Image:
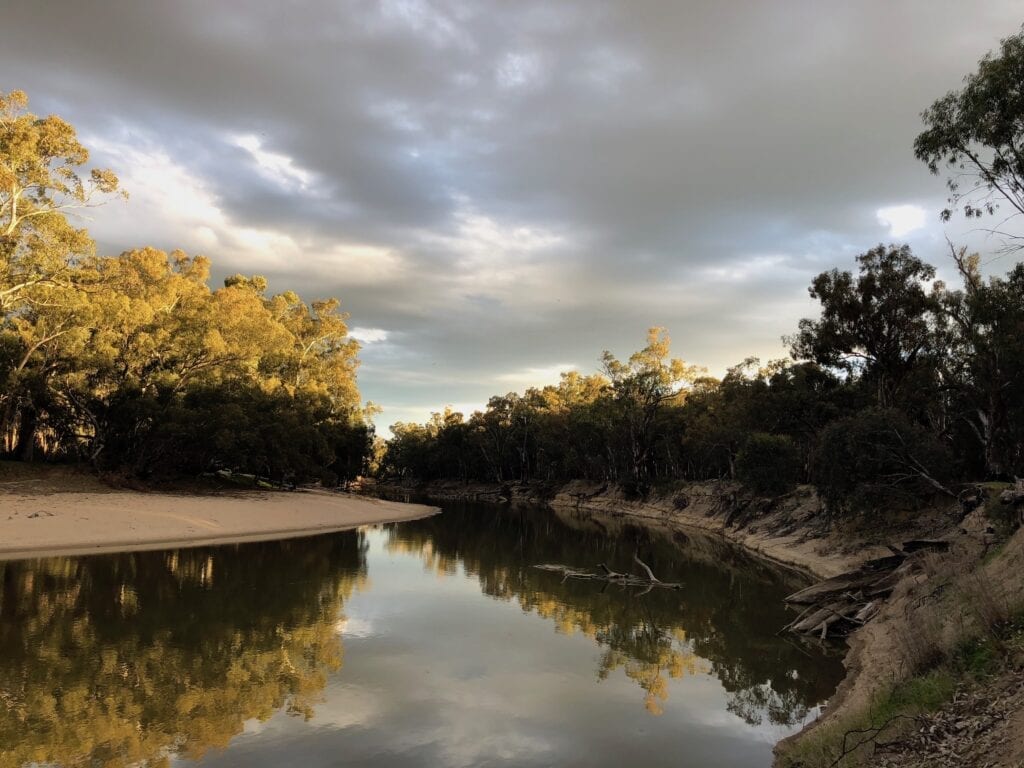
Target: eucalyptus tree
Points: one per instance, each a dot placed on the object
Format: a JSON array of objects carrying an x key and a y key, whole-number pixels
[
  {"x": 41, "y": 183},
  {"x": 981, "y": 362},
  {"x": 123, "y": 360},
  {"x": 322, "y": 357},
  {"x": 977, "y": 134},
  {"x": 875, "y": 325},
  {"x": 641, "y": 387}
]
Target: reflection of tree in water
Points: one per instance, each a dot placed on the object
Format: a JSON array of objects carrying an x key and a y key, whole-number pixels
[
  {"x": 723, "y": 621},
  {"x": 649, "y": 655},
  {"x": 135, "y": 658}
]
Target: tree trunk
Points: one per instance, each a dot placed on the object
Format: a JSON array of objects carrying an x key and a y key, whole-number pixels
[{"x": 26, "y": 446}]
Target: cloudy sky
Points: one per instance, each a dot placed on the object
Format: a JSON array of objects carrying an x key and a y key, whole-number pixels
[{"x": 498, "y": 191}]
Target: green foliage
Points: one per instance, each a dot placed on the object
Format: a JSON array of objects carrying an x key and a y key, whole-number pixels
[
  {"x": 235, "y": 426},
  {"x": 640, "y": 389},
  {"x": 768, "y": 464},
  {"x": 976, "y": 657},
  {"x": 850, "y": 741},
  {"x": 979, "y": 357},
  {"x": 977, "y": 133},
  {"x": 897, "y": 389},
  {"x": 875, "y": 325},
  {"x": 903, "y": 393},
  {"x": 924, "y": 693},
  {"x": 41, "y": 161},
  {"x": 878, "y": 459}
]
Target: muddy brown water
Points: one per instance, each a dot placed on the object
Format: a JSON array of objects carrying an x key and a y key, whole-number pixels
[{"x": 426, "y": 643}]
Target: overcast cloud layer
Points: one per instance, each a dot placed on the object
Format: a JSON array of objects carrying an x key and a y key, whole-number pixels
[{"x": 499, "y": 191}]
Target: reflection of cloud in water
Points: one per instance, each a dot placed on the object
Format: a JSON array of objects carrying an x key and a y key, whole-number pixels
[
  {"x": 658, "y": 640},
  {"x": 354, "y": 627},
  {"x": 495, "y": 663}
]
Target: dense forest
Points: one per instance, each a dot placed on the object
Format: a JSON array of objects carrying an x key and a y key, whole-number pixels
[
  {"x": 902, "y": 388},
  {"x": 133, "y": 363}
]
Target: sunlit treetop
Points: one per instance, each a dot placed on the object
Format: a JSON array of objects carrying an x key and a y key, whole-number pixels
[
  {"x": 42, "y": 181},
  {"x": 40, "y": 166}
]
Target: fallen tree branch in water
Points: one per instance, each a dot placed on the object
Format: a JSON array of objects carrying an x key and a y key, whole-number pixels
[
  {"x": 647, "y": 568},
  {"x": 609, "y": 576}
]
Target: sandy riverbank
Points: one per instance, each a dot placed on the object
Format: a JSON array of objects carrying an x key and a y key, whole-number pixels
[{"x": 36, "y": 522}]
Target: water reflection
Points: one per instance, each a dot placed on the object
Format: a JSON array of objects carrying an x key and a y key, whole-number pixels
[
  {"x": 723, "y": 622},
  {"x": 134, "y": 658},
  {"x": 159, "y": 658}
]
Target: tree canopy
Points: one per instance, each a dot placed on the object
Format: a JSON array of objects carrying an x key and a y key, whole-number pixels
[
  {"x": 897, "y": 390},
  {"x": 134, "y": 362},
  {"x": 875, "y": 325},
  {"x": 977, "y": 134}
]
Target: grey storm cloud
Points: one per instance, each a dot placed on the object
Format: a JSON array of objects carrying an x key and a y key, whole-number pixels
[{"x": 495, "y": 190}]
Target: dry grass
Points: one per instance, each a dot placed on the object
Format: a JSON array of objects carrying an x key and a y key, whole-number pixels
[
  {"x": 986, "y": 602},
  {"x": 851, "y": 740},
  {"x": 919, "y": 641}
]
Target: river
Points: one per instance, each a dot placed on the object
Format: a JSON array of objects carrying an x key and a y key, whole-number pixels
[{"x": 426, "y": 643}]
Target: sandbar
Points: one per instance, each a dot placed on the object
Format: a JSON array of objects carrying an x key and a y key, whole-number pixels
[{"x": 42, "y": 524}]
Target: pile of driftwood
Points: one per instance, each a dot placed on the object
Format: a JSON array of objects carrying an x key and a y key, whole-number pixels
[
  {"x": 837, "y": 606},
  {"x": 606, "y": 574}
]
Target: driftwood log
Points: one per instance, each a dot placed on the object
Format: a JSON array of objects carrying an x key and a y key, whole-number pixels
[
  {"x": 606, "y": 574},
  {"x": 836, "y": 607}
]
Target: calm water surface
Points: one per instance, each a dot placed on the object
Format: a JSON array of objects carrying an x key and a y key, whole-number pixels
[{"x": 425, "y": 643}]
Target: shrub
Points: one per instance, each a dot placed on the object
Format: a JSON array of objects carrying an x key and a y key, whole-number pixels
[
  {"x": 878, "y": 457},
  {"x": 768, "y": 464}
]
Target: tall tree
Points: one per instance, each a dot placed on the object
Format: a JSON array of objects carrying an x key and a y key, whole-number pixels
[
  {"x": 641, "y": 387},
  {"x": 875, "y": 325},
  {"x": 982, "y": 362}
]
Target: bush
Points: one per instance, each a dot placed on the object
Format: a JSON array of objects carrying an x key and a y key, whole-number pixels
[
  {"x": 878, "y": 458},
  {"x": 768, "y": 464}
]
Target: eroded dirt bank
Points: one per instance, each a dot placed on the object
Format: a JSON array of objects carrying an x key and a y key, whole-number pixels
[
  {"x": 937, "y": 677},
  {"x": 790, "y": 529}
]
